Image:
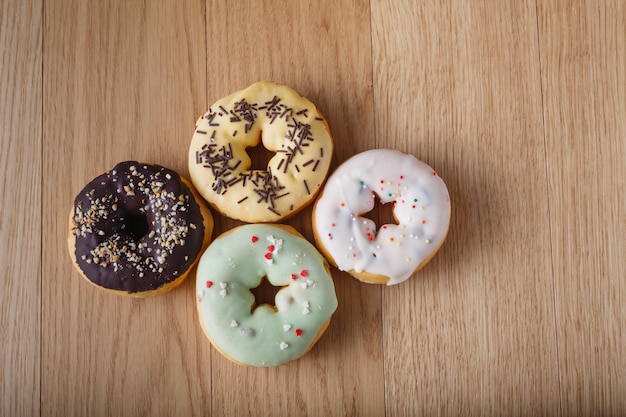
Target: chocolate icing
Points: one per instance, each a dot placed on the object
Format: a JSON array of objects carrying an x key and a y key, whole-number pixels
[{"x": 137, "y": 227}]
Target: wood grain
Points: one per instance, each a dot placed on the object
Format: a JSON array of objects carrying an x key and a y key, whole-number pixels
[
  {"x": 520, "y": 106},
  {"x": 20, "y": 207},
  {"x": 584, "y": 76},
  {"x": 122, "y": 80},
  {"x": 459, "y": 87},
  {"x": 304, "y": 45}
]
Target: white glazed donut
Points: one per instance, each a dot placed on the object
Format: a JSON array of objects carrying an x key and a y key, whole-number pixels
[
  {"x": 391, "y": 254},
  {"x": 287, "y": 124}
]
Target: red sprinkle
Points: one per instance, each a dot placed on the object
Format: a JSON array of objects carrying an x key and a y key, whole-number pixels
[
  {"x": 254, "y": 239},
  {"x": 298, "y": 332},
  {"x": 304, "y": 273},
  {"x": 268, "y": 256},
  {"x": 270, "y": 248},
  {"x": 434, "y": 173},
  {"x": 423, "y": 221},
  {"x": 293, "y": 277},
  {"x": 209, "y": 284},
  {"x": 401, "y": 176}
]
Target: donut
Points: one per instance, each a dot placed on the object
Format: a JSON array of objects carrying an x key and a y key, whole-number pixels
[
  {"x": 389, "y": 254},
  {"x": 138, "y": 230},
  {"x": 263, "y": 335},
  {"x": 288, "y": 125}
]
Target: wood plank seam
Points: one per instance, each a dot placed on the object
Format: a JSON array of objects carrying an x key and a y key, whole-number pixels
[{"x": 548, "y": 202}]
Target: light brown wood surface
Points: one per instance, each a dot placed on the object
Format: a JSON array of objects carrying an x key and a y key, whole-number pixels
[{"x": 520, "y": 106}]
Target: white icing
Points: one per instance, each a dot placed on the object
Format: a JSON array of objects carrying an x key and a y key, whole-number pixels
[{"x": 421, "y": 207}]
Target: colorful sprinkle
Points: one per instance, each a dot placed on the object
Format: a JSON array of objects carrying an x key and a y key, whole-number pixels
[
  {"x": 209, "y": 284},
  {"x": 254, "y": 239},
  {"x": 298, "y": 332},
  {"x": 271, "y": 248},
  {"x": 268, "y": 256},
  {"x": 304, "y": 273}
]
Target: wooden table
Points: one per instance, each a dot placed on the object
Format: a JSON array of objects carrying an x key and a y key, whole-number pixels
[{"x": 519, "y": 105}]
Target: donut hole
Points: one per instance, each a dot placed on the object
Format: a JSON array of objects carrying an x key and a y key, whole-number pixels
[
  {"x": 384, "y": 213},
  {"x": 260, "y": 157},
  {"x": 136, "y": 226},
  {"x": 265, "y": 293},
  {"x": 381, "y": 213}
]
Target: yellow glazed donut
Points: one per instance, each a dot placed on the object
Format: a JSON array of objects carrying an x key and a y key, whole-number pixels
[
  {"x": 264, "y": 335},
  {"x": 393, "y": 252},
  {"x": 138, "y": 230},
  {"x": 286, "y": 123}
]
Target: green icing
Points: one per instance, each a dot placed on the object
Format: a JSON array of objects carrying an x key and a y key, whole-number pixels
[{"x": 233, "y": 264}]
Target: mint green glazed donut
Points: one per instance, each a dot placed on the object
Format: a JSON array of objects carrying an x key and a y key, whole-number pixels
[{"x": 264, "y": 335}]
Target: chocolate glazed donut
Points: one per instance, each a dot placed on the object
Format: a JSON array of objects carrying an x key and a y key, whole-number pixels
[{"x": 138, "y": 229}]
